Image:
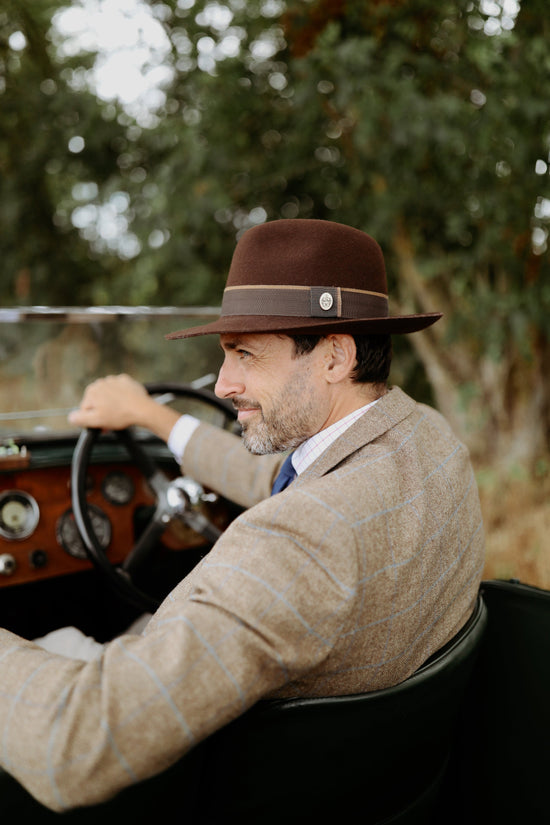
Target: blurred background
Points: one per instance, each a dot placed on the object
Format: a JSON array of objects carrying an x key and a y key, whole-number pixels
[{"x": 138, "y": 139}]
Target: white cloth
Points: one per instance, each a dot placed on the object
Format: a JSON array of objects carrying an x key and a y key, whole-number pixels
[
  {"x": 181, "y": 432},
  {"x": 74, "y": 644},
  {"x": 70, "y": 642}
]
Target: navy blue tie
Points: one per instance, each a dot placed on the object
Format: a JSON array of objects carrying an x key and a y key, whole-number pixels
[{"x": 287, "y": 473}]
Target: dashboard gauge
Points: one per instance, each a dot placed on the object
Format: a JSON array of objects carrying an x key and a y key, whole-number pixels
[
  {"x": 118, "y": 488},
  {"x": 69, "y": 538},
  {"x": 19, "y": 514}
]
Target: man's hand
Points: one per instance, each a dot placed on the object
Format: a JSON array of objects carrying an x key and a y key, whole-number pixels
[{"x": 119, "y": 401}]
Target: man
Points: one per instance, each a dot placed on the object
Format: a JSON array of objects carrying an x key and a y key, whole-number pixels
[{"x": 344, "y": 581}]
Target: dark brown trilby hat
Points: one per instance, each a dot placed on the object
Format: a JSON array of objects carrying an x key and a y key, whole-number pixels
[{"x": 305, "y": 276}]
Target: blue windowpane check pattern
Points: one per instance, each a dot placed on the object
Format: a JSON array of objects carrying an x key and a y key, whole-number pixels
[{"x": 287, "y": 473}]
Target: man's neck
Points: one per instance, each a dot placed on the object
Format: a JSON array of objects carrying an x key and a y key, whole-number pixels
[
  {"x": 355, "y": 397},
  {"x": 310, "y": 450}
]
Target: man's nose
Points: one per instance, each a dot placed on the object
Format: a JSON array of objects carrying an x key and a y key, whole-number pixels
[{"x": 228, "y": 383}]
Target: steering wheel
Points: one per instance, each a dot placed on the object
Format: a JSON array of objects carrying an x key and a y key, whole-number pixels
[{"x": 175, "y": 499}]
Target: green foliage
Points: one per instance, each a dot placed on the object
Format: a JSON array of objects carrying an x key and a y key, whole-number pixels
[
  {"x": 424, "y": 123},
  {"x": 44, "y": 260}
]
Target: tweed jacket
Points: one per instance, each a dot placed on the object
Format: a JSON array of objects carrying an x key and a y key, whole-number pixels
[{"x": 345, "y": 582}]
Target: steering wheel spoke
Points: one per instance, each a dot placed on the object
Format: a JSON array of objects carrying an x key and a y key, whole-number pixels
[{"x": 143, "y": 548}]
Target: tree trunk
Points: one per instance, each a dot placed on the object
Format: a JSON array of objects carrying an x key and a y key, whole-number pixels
[{"x": 500, "y": 409}]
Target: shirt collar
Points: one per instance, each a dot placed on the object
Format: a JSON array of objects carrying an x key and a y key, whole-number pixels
[{"x": 310, "y": 450}]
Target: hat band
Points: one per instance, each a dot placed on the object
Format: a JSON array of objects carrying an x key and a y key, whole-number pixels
[{"x": 304, "y": 302}]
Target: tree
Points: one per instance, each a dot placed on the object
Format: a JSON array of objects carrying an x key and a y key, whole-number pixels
[
  {"x": 421, "y": 123},
  {"x": 54, "y": 144},
  {"x": 424, "y": 123}
]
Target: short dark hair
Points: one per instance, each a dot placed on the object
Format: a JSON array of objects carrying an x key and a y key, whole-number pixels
[{"x": 374, "y": 354}]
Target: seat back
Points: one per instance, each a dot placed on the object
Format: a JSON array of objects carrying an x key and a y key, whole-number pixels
[
  {"x": 371, "y": 758},
  {"x": 502, "y": 772}
]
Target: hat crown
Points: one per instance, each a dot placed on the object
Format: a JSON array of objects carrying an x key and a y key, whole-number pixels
[
  {"x": 308, "y": 252},
  {"x": 307, "y": 276}
]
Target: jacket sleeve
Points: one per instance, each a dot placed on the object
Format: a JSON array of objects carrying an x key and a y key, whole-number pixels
[
  {"x": 263, "y": 608},
  {"x": 219, "y": 460}
]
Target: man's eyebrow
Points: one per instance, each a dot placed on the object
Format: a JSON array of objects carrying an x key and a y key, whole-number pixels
[{"x": 234, "y": 343}]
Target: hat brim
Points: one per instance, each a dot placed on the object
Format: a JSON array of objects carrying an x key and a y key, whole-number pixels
[{"x": 247, "y": 324}]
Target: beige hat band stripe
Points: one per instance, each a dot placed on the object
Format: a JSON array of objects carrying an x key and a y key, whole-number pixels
[{"x": 304, "y": 302}]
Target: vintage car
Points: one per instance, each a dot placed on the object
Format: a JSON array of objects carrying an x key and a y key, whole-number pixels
[{"x": 96, "y": 528}]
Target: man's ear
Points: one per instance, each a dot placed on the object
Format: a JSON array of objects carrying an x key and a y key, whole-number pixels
[{"x": 341, "y": 357}]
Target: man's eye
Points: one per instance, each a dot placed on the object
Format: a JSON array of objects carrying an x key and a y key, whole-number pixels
[{"x": 242, "y": 353}]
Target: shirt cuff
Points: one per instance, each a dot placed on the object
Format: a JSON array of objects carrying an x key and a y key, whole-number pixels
[{"x": 180, "y": 434}]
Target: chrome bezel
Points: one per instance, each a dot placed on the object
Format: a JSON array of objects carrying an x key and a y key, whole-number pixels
[
  {"x": 32, "y": 514},
  {"x": 126, "y": 488},
  {"x": 73, "y": 544}
]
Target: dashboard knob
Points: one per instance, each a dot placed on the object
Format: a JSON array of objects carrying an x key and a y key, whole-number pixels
[{"x": 7, "y": 564}]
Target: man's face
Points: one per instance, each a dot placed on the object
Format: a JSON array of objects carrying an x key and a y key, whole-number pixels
[{"x": 278, "y": 395}]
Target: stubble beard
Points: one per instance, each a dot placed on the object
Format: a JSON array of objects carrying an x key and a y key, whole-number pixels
[{"x": 286, "y": 425}]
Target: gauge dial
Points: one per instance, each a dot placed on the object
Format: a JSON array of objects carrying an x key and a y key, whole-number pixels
[
  {"x": 69, "y": 538},
  {"x": 19, "y": 514},
  {"x": 118, "y": 488}
]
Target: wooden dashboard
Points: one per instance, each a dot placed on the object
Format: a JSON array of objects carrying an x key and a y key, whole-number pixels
[{"x": 38, "y": 536}]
